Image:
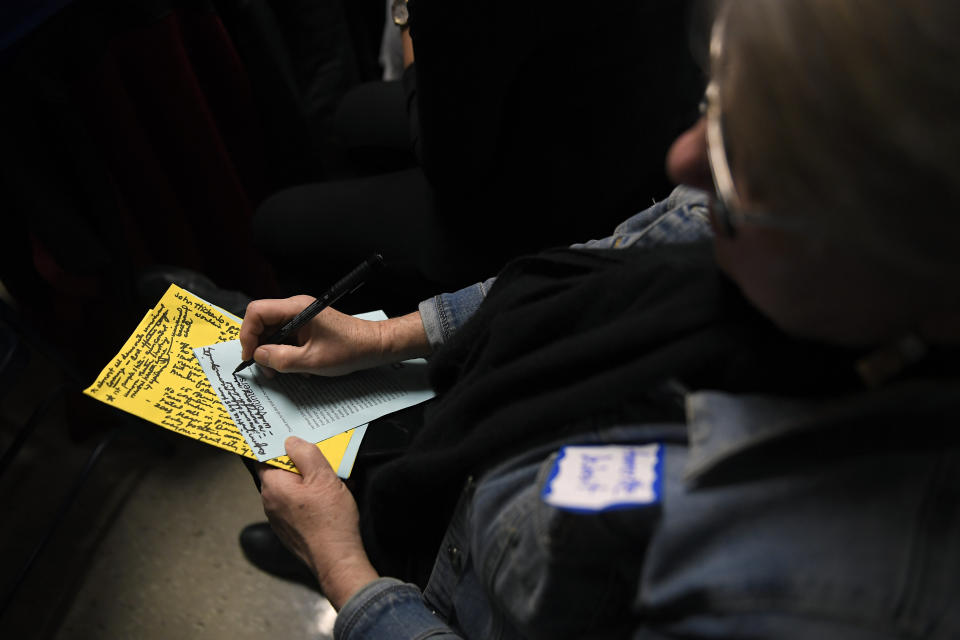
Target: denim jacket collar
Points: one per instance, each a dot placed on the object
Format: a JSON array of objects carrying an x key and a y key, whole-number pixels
[
  {"x": 726, "y": 428},
  {"x": 722, "y": 425}
]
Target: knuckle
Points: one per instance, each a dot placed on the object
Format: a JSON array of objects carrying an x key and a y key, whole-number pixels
[{"x": 272, "y": 499}]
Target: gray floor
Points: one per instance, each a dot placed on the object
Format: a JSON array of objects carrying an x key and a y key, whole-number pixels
[{"x": 148, "y": 547}]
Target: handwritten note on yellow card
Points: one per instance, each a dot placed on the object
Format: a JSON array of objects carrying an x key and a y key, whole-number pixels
[{"x": 157, "y": 377}]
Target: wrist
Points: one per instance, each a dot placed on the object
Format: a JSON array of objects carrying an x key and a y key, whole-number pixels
[
  {"x": 403, "y": 338},
  {"x": 344, "y": 580}
]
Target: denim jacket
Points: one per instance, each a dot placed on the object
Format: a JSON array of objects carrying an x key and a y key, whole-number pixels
[
  {"x": 741, "y": 542},
  {"x": 738, "y": 543}
]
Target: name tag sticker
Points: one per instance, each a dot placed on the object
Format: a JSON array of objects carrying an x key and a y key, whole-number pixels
[{"x": 597, "y": 478}]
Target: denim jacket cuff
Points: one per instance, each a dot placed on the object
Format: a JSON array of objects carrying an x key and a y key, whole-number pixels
[
  {"x": 444, "y": 314},
  {"x": 430, "y": 317},
  {"x": 388, "y": 608}
]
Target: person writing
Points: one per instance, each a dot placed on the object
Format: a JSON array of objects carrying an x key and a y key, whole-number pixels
[{"x": 770, "y": 354}]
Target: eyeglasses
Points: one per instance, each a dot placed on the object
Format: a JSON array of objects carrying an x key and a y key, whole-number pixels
[
  {"x": 727, "y": 201},
  {"x": 727, "y": 207}
]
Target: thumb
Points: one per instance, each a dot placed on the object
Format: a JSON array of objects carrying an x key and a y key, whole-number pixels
[
  {"x": 281, "y": 357},
  {"x": 310, "y": 462}
]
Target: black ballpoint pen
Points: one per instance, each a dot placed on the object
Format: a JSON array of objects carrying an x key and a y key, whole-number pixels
[{"x": 348, "y": 283}]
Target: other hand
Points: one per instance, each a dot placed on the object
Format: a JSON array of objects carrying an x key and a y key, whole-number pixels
[{"x": 316, "y": 517}]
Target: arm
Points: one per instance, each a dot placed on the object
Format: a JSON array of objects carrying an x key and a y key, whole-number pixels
[
  {"x": 407, "y": 43},
  {"x": 682, "y": 217},
  {"x": 332, "y": 343}
]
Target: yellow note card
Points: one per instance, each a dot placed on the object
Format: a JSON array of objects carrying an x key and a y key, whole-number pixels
[{"x": 157, "y": 377}]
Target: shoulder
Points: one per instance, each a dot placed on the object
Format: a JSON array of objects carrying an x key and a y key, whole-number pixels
[{"x": 680, "y": 218}]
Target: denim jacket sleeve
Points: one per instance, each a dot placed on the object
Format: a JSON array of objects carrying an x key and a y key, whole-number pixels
[
  {"x": 389, "y": 608},
  {"x": 442, "y": 315},
  {"x": 681, "y": 218}
]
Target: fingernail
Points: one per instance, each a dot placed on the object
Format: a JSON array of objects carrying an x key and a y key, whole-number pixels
[{"x": 264, "y": 358}]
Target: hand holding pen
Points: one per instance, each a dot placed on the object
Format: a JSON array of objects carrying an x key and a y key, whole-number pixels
[{"x": 331, "y": 345}]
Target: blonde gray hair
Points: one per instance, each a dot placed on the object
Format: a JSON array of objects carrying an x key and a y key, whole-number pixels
[{"x": 846, "y": 114}]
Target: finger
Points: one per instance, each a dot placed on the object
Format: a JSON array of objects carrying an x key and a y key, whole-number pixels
[
  {"x": 272, "y": 484},
  {"x": 261, "y": 467},
  {"x": 262, "y": 314},
  {"x": 275, "y": 483},
  {"x": 283, "y": 358},
  {"x": 310, "y": 462}
]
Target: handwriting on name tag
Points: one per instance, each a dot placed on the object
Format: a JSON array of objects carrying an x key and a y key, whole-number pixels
[{"x": 596, "y": 478}]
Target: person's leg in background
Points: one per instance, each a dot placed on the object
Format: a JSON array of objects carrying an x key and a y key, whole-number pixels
[
  {"x": 379, "y": 201},
  {"x": 316, "y": 233}
]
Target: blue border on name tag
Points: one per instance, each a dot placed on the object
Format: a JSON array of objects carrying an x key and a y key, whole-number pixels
[{"x": 548, "y": 485}]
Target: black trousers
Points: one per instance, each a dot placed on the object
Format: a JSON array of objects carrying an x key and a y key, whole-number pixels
[{"x": 378, "y": 201}]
